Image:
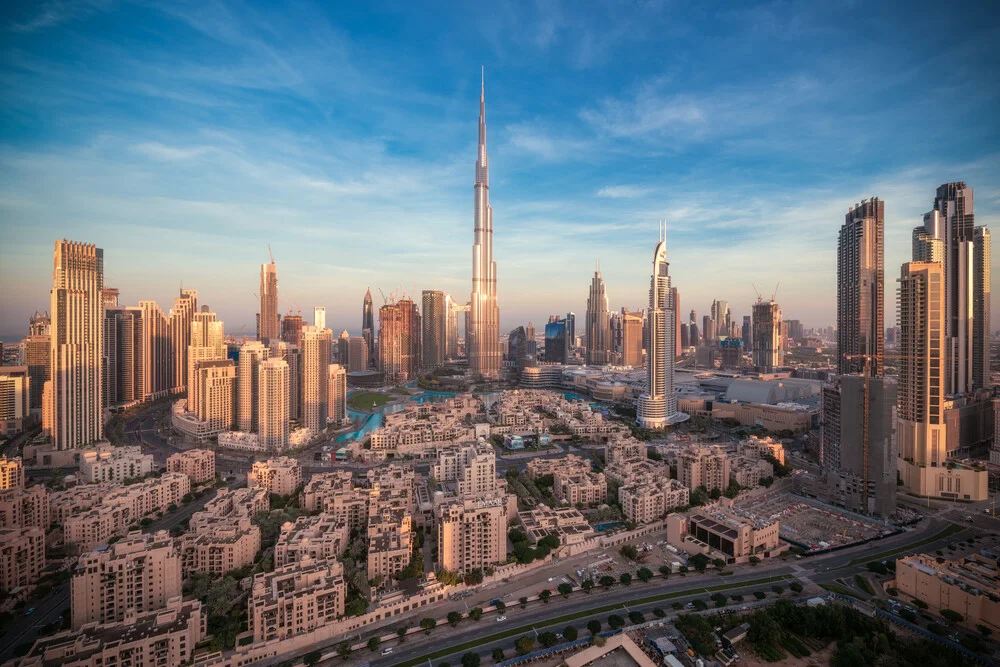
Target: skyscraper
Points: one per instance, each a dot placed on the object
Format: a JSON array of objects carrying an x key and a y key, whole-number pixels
[
  {"x": 77, "y": 345},
  {"x": 399, "y": 341},
  {"x": 434, "y": 322},
  {"x": 315, "y": 377},
  {"x": 598, "y": 322},
  {"x": 158, "y": 360},
  {"x": 248, "y": 385},
  {"x": 981, "y": 274},
  {"x": 336, "y": 394},
  {"x": 719, "y": 310},
  {"x": 357, "y": 354},
  {"x": 268, "y": 326},
  {"x": 556, "y": 341},
  {"x": 747, "y": 333},
  {"x": 185, "y": 306},
  {"x": 707, "y": 329},
  {"x": 529, "y": 333},
  {"x": 767, "y": 346},
  {"x": 272, "y": 409},
  {"x": 675, "y": 298},
  {"x": 319, "y": 317},
  {"x": 207, "y": 343},
  {"x": 368, "y": 326},
  {"x": 483, "y": 332},
  {"x": 291, "y": 328},
  {"x": 292, "y": 355},
  {"x": 657, "y": 407},
  {"x": 632, "y": 339},
  {"x": 860, "y": 288}
]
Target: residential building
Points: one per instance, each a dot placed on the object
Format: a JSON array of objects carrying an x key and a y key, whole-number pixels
[
  {"x": 106, "y": 464},
  {"x": 321, "y": 537},
  {"x": 11, "y": 473},
  {"x": 573, "y": 480},
  {"x": 649, "y": 498},
  {"x": 197, "y": 464},
  {"x": 180, "y": 318},
  {"x": 748, "y": 472},
  {"x": 336, "y": 393},
  {"x": 981, "y": 297},
  {"x": 319, "y": 317},
  {"x": 140, "y": 573},
  {"x": 390, "y": 537},
  {"x": 296, "y": 598},
  {"x": 566, "y": 523},
  {"x": 25, "y": 507},
  {"x": 760, "y": 447},
  {"x": 861, "y": 289},
  {"x": 706, "y": 467},
  {"x": 207, "y": 343},
  {"x": 399, "y": 341},
  {"x": 22, "y": 557},
  {"x": 269, "y": 326},
  {"x": 483, "y": 324},
  {"x": 219, "y": 548},
  {"x": 316, "y": 345},
  {"x": 164, "y": 637},
  {"x": 248, "y": 385},
  {"x": 357, "y": 354},
  {"x": 291, "y": 355},
  {"x": 768, "y": 349},
  {"x": 434, "y": 321},
  {"x": 632, "y": 339},
  {"x": 157, "y": 352},
  {"x": 37, "y": 352},
  {"x": 334, "y": 493},
  {"x": 368, "y": 326},
  {"x": 472, "y": 532},
  {"x": 291, "y": 329},
  {"x": 77, "y": 345},
  {"x": 280, "y": 476},
  {"x": 15, "y": 399},
  {"x": 273, "y": 409},
  {"x": 230, "y": 506}
]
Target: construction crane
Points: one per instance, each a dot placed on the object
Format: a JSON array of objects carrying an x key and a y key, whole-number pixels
[
  {"x": 775, "y": 292},
  {"x": 270, "y": 254}
]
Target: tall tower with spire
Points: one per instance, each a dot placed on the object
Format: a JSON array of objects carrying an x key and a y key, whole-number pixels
[
  {"x": 484, "y": 315},
  {"x": 598, "y": 321},
  {"x": 368, "y": 326},
  {"x": 269, "y": 325},
  {"x": 658, "y": 406}
]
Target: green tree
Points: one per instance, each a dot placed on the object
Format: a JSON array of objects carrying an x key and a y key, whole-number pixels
[
  {"x": 312, "y": 657},
  {"x": 453, "y": 618},
  {"x": 625, "y": 579},
  {"x": 606, "y": 581},
  {"x": 754, "y": 561},
  {"x": 373, "y": 643},
  {"x": 344, "y": 650},
  {"x": 636, "y": 617},
  {"x": 544, "y": 595},
  {"x": 474, "y": 578},
  {"x": 629, "y": 551},
  {"x": 917, "y": 602},
  {"x": 587, "y": 585},
  {"x": 664, "y": 570},
  {"x": 616, "y": 622},
  {"x": 524, "y": 644},
  {"x": 644, "y": 574},
  {"x": 952, "y": 616},
  {"x": 760, "y": 595},
  {"x": 498, "y": 654},
  {"x": 548, "y": 639},
  {"x": 796, "y": 586},
  {"x": 719, "y": 563},
  {"x": 476, "y": 613},
  {"x": 564, "y": 589},
  {"x": 700, "y": 605},
  {"x": 500, "y": 607},
  {"x": 984, "y": 631},
  {"x": 428, "y": 624},
  {"x": 594, "y": 627},
  {"x": 401, "y": 633},
  {"x": 778, "y": 590},
  {"x": 699, "y": 562},
  {"x": 470, "y": 659},
  {"x": 659, "y": 613},
  {"x": 524, "y": 601},
  {"x": 570, "y": 634}
]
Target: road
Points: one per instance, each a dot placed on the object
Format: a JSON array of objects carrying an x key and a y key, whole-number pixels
[{"x": 25, "y": 628}]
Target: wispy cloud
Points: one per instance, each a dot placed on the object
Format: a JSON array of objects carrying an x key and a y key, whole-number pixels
[
  {"x": 55, "y": 12},
  {"x": 624, "y": 191}
]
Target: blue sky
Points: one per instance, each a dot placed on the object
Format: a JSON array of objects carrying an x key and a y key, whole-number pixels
[{"x": 184, "y": 137}]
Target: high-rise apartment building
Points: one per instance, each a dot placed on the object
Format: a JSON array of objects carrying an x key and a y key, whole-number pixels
[
  {"x": 110, "y": 368},
  {"x": 768, "y": 351},
  {"x": 292, "y": 355},
  {"x": 981, "y": 276},
  {"x": 719, "y": 310},
  {"x": 181, "y": 316},
  {"x": 319, "y": 317},
  {"x": 860, "y": 289},
  {"x": 357, "y": 354},
  {"x": 399, "y": 341},
  {"x": 137, "y": 574},
  {"x": 434, "y": 321},
  {"x": 158, "y": 359},
  {"x": 472, "y": 533},
  {"x": 272, "y": 410},
  {"x": 483, "y": 331},
  {"x": 632, "y": 339},
  {"x": 599, "y": 348},
  {"x": 77, "y": 345},
  {"x": 207, "y": 342},
  {"x": 451, "y": 334},
  {"x": 703, "y": 467},
  {"x": 14, "y": 399},
  {"x": 675, "y": 297},
  {"x": 37, "y": 351},
  {"x": 268, "y": 325},
  {"x": 707, "y": 329},
  {"x": 248, "y": 385},
  {"x": 368, "y": 326},
  {"x": 291, "y": 328},
  {"x": 336, "y": 394},
  {"x": 657, "y": 407},
  {"x": 315, "y": 377},
  {"x": 131, "y": 364}
]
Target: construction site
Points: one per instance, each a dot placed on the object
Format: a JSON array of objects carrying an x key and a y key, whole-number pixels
[{"x": 812, "y": 525}]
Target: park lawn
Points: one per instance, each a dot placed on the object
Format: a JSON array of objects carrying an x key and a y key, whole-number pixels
[{"x": 368, "y": 400}]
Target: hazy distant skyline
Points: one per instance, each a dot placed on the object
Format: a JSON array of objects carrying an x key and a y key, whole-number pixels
[{"x": 183, "y": 138}]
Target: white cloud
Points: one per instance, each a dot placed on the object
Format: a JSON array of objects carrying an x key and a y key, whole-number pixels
[
  {"x": 624, "y": 191},
  {"x": 162, "y": 152}
]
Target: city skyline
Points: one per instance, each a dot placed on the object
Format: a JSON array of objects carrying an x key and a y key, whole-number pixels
[{"x": 177, "y": 186}]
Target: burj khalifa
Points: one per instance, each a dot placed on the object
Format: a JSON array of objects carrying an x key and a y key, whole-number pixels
[{"x": 483, "y": 331}]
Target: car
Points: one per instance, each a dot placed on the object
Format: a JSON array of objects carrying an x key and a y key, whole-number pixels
[
  {"x": 30, "y": 612},
  {"x": 955, "y": 639},
  {"x": 387, "y": 650},
  {"x": 909, "y": 608},
  {"x": 558, "y": 635},
  {"x": 689, "y": 605},
  {"x": 501, "y": 619},
  {"x": 968, "y": 518},
  {"x": 896, "y": 612}
]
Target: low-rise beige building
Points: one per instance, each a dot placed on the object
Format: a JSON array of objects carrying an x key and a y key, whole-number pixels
[
  {"x": 703, "y": 466},
  {"x": 140, "y": 573},
  {"x": 109, "y": 465},
  {"x": 20, "y": 507},
  {"x": 757, "y": 447},
  {"x": 76, "y": 500},
  {"x": 11, "y": 473},
  {"x": 197, "y": 464},
  {"x": 573, "y": 481},
  {"x": 390, "y": 540},
  {"x": 296, "y": 598},
  {"x": 748, "y": 472},
  {"x": 165, "y": 637},
  {"x": 220, "y": 548},
  {"x": 737, "y": 537},
  {"x": 321, "y": 537},
  {"x": 335, "y": 493},
  {"x": 649, "y": 498},
  {"x": 281, "y": 475},
  {"x": 231, "y": 505},
  {"x": 22, "y": 557},
  {"x": 970, "y": 586},
  {"x": 566, "y": 523}
]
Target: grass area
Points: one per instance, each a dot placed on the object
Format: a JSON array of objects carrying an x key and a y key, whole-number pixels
[
  {"x": 862, "y": 583},
  {"x": 368, "y": 400},
  {"x": 947, "y": 532},
  {"x": 512, "y": 632},
  {"x": 833, "y": 588}
]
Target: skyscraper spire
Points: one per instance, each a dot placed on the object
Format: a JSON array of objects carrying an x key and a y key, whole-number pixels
[{"x": 484, "y": 316}]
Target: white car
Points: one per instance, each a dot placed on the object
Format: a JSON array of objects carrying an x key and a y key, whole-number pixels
[
  {"x": 387, "y": 651},
  {"x": 501, "y": 619}
]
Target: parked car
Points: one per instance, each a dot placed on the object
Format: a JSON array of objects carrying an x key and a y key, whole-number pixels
[
  {"x": 30, "y": 612},
  {"x": 501, "y": 619}
]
